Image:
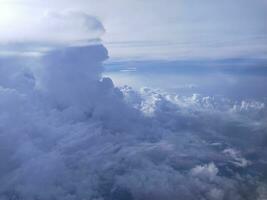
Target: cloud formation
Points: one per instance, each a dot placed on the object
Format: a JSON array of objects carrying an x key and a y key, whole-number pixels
[
  {"x": 26, "y": 35},
  {"x": 69, "y": 133}
]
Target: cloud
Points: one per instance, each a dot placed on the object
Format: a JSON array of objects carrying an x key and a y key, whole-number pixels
[
  {"x": 68, "y": 133},
  {"x": 81, "y": 65},
  {"x": 143, "y": 30},
  {"x": 30, "y": 34},
  {"x": 207, "y": 171}
]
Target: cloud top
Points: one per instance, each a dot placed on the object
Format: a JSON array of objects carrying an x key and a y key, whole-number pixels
[{"x": 41, "y": 32}]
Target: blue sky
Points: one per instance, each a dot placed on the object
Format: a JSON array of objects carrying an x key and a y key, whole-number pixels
[{"x": 140, "y": 30}]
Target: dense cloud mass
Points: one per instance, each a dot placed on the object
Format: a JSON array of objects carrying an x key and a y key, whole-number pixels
[{"x": 67, "y": 133}]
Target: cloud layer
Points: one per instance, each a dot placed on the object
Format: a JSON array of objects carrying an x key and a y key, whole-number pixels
[{"x": 68, "y": 134}]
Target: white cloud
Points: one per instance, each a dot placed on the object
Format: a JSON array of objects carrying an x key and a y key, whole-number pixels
[
  {"x": 237, "y": 158},
  {"x": 209, "y": 171},
  {"x": 29, "y": 32}
]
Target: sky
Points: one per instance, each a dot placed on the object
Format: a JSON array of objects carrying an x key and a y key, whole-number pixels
[{"x": 146, "y": 30}]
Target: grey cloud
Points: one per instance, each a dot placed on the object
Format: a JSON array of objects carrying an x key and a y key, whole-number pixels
[{"x": 71, "y": 134}]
